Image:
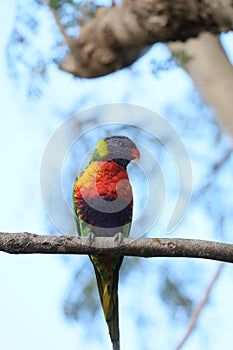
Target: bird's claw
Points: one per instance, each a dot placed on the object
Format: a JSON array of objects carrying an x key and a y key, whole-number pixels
[
  {"x": 118, "y": 238},
  {"x": 90, "y": 238}
]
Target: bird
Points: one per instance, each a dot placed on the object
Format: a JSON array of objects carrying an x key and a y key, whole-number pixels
[{"x": 103, "y": 207}]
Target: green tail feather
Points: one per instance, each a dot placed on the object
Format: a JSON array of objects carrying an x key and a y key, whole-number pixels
[
  {"x": 116, "y": 345},
  {"x": 108, "y": 291}
]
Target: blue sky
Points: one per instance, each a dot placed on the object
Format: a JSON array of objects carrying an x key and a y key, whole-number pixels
[{"x": 33, "y": 287}]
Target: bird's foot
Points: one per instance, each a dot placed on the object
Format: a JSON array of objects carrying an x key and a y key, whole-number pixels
[
  {"x": 118, "y": 238},
  {"x": 90, "y": 238}
]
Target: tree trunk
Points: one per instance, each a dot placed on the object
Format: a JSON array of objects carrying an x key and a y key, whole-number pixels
[{"x": 212, "y": 74}]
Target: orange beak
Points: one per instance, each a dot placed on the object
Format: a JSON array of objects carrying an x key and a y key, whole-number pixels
[{"x": 134, "y": 154}]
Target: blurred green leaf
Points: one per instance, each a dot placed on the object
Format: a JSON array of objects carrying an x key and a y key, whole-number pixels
[{"x": 172, "y": 293}]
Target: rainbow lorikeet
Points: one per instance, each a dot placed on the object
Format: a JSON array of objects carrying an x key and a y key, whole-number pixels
[{"x": 103, "y": 205}]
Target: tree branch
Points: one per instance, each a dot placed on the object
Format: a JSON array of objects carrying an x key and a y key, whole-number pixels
[
  {"x": 117, "y": 36},
  {"x": 67, "y": 40},
  {"x": 200, "y": 307},
  {"x": 27, "y": 243}
]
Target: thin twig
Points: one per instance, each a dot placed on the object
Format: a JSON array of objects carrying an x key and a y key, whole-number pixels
[
  {"x": 26, "y": 243},
  {"x": 196, "y": 314},
  {"x": 215, "y": 167},
  {"x": 67, "y": 40}
]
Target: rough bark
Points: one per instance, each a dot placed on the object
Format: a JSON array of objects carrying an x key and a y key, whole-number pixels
[
  {"x": 212, "y": 73},
  {"x": 117, "y": 36},
  {"x": 26, "y": 243}
]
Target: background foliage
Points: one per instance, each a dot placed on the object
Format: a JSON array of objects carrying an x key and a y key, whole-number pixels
[{"x": 157, "y": 296}]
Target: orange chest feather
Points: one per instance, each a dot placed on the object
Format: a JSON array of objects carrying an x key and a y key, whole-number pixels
[{"x": 103, "y": 179}]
